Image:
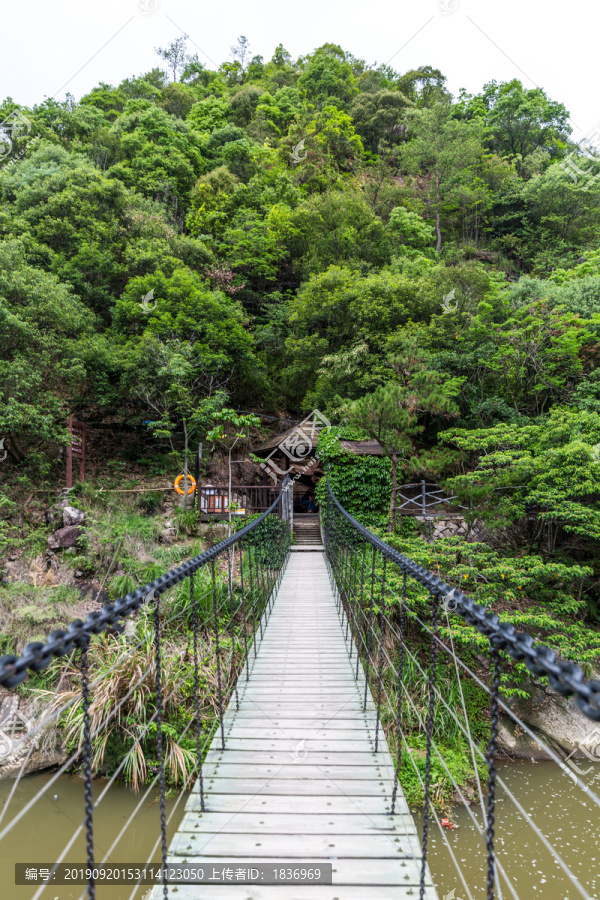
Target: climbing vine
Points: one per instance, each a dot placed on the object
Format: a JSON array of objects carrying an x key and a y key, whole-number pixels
[{"x": 362, "y": 484}]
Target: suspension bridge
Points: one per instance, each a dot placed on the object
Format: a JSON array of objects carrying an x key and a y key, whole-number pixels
[{"x": 295, "y": 791}]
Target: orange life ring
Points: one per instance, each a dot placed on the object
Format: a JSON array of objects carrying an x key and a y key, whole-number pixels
[{"x": 180, "y": 478}]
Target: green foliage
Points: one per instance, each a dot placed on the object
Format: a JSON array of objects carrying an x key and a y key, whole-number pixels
[
  {"x": 328, "y": 75},
  {"x": 47, "y": 339},
  {"x": 519, "y": 120},
  {"x": 361, "y": 483},
  {"x": 150, "y": 501},
  {"x": 411, "y": 227},
  {"x": 540, "y": 596},
  {"x": 551, "y": 462}
]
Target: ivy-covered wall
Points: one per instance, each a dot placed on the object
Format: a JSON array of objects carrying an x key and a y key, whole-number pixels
[{"x": 362, "y": 484}]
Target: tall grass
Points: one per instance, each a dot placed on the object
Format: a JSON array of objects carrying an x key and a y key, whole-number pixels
[{"x": 130, "y": 734}]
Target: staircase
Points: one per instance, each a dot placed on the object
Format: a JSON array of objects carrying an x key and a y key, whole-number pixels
[{"x": 307, "y": 531}]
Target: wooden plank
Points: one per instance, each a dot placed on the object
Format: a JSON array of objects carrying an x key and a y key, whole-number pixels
[
  {"x": 296, "y": 823},
  {"x": 252, "y": 719},
  {"x": 299, "y": 771},
  {"x": 230, "y": 844},
  {"x": 245, "y": 739},
  {"x": 270, "y": 755},
  {"x": 408, "y": 891},
  {"x": 256, "y": 801},
  {"x": 295, "y": 677},
  {"x": 250, "y": 726},
  {"x": 344, "y": 871},
  {"x": 324, "y": 788},
  {"x": 317, "y": 703}
]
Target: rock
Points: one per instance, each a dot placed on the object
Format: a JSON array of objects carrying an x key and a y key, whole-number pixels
[
  {"x": 64, "y": 537},
  {"x": 73, "y": 516},
  {"x": 167, "y": 536},
  {"x": 18, "y": 718},
  {"x": 53, "y": 516},
  {"x": 54, "y": 513},
  {"x": 215, "y": 531},
  {"x": 557, "y": 721}
]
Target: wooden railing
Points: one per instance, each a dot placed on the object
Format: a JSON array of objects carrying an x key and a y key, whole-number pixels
[{"x": 213, "y": 500}]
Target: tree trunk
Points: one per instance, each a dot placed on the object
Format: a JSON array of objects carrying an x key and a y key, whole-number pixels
[
  {"x": 185, "y": 465},
  {"x": 14, "y": 450},
  {"x": 392, "y": 517},
  {"x": 229, "y": 496},
  {"x": 438, "y": 229}
]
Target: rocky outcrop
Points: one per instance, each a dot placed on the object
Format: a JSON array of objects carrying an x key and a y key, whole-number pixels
[
  {"x": 62, "y": 514},
  {"x": 64, "y": 537},
  {"x": 26, "y": 744},
  {"x": 557, "y": 721},
  {"x": 68, "y": 520},
  {"x": 73, "y": 516}
]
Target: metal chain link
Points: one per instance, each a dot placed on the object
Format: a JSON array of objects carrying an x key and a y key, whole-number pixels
[
  {"x": 196, "y": 694},
  {"x": 400, "y": 688},
  {"x": 490, "y": 757},
  {"x": 159, "y": 745},
  {"x": 433, "y": 649},
  {"x": 87, "y": 770}
]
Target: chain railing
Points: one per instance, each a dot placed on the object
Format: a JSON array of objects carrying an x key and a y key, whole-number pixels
[
  {"x": 261, "y": 550},
  {"x": 375, "y": 616}
]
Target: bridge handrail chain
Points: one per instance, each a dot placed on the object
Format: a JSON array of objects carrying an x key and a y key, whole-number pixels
[
  {"x": 564, "y": 677},
  {"x": 37, "y": 656}
]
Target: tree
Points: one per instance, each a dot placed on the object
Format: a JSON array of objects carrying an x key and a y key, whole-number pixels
[
  {"x": 520, "y": 120},
  {"x": 233, "y": 429},
  {"x": 447, "y": 154},
  {"x": 538, "y": 356},
  {"x": 49, "y": 348},
  {"x": 327, "y": 75},
  {"x": 179, "y": 389},
  {"x": 379, "y": 116},
  {"x": 393, "y": 413},
  {"x": 425, "y": 87},
  {"x": 338, "y": 228},
  {"x": 411, "y": 227},
  {"x": 551, "y": 462},
  {"x": 177, "y": 99},
  {"x": 175, "y": 55},
  {"x": 241, "y": 51},
  {"x": 160, "y": 155},
  {"x": 77, "y": 213}
]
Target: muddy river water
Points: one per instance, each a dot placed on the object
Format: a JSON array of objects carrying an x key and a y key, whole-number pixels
[{"x": 568, "y": 818}]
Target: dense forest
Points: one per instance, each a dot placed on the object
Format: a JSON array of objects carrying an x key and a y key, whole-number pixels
[{"x": 281, "y": 235}]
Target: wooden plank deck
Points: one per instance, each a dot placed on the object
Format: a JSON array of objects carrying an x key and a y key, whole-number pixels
[{"x": 299, "y": 782}]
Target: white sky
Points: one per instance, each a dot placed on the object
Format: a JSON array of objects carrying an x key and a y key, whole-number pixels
[{"x": 51, "y": 47}]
